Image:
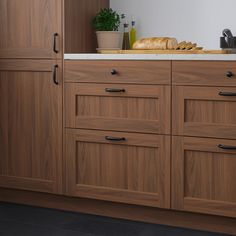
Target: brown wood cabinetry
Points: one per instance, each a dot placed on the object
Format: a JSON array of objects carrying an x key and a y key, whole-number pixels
[
  {"x": 203, "y": 169},
  {"x": 31, "y": 125},
  {"x": 111, "y": 98},
  {"x": 106, "y": 96},
  {"x": 31, "y": 29},
  {"x": 117, "y": 166},
  {"x": 120, "y": 107},
  {"x": 204, "y": 111},
  {"x": 203, "y": 178},
  {"x": 206, "y": 73},
  {"x": 125, "y": 72}
]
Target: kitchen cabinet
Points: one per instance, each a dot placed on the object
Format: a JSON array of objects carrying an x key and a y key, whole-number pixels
[
  {"x": 118, "y": 107},
  {"x": 203, "y": 178},
  {"x": 204, "y": 73},
  {"x": 204, "y": 111},
  {"x": 116, "y": 166},
  {"x": 118, "y": 131},
  {"x": 124, "y": 72},
  {"x": 31, "y": 29},
  {"x": 31, "y": 125}
]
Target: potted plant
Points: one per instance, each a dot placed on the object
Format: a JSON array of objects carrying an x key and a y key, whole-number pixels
[{"x": 107, "y": 23}]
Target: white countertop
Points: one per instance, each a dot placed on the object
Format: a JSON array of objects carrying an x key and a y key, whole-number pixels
[{"x": 152, "y": 57}]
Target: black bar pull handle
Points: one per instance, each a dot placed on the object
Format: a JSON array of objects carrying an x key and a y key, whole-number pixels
[
  {"x": 114, "y": 90},
  {"x": 227, "y": 94},
  {"x": 115, "y": 139},
  {"x": 225, "y": 147},
  {"x": 55, "y": 74},
  {"x": 55, "y": 43}
]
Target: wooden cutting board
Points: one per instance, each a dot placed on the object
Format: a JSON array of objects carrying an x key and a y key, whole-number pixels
[{"x": 164, "y": 52}]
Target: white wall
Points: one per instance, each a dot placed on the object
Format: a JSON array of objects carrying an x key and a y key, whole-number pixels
[{"x": 200, "y": 21}]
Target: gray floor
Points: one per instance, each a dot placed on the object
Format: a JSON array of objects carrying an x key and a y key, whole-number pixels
[{"x": 32, "y": 221}]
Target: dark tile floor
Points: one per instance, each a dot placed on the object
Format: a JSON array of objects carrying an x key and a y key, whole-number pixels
[{"x": 19, "y": 220}]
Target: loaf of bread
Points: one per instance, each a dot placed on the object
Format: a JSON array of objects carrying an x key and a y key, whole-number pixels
[{"x": 156, "y": 43}]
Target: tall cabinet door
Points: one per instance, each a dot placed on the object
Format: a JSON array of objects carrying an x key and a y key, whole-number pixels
[
  {"x": 30, "y": 28},
  {"x": 30, "y": 125}
]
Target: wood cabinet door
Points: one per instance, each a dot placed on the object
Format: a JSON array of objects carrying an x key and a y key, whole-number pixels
[
  {"x": 118, "y": 107},
  {"x": 30, "y": 29},
  {"x": 30, "y": 125},
  {"x": 120, "y": 167},
  {"x": 203, "y": 175},
  {"x": 204, "y": 111}
]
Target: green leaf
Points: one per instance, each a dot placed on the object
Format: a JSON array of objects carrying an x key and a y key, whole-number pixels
[{"x": 107, "y": 20}]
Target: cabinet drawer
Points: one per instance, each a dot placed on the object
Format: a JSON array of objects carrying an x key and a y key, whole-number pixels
[
  {"x": 130, "y": 72},
  {"x": 204, "y": 73},
  {"x": 202, "y": 111},
  {"x": 119, "y": 167},
  {"x": 204, "y": 175},
  {"x": 136, "y": 108}
]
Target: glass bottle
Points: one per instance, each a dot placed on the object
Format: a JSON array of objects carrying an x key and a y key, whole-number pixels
[
  {"x": 126, "y": 40},
  {"x": 133, "y": 33}
]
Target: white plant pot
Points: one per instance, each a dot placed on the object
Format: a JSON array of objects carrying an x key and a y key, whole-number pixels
[{"x": 109, "y": 39}]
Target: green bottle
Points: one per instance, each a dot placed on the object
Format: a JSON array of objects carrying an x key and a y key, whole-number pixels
[{"x": 133, "y": 33}]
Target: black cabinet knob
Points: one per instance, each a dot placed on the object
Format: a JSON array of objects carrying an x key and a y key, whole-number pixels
[
  {"x": 114, "y": 72},
  {"x": 229, "y": 74}
]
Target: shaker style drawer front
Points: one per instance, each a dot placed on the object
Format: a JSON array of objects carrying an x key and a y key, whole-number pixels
[
  {"x": 118, "y": 107},
  {"x": 119, "y": 167},
  {"x": 203, "y": 178},
  {"x": 204, "y": 73},
  {"x": 130, "y": 72},
  {"x": 204, "y": 111}
]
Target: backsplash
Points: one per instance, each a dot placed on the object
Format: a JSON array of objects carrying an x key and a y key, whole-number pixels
[{"x": 200, "y": 21}]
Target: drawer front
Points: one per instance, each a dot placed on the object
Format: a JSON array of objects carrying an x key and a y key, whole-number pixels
[
  {"x": 119, "y": 167},
  {"x": 204, "y": 111},
  {"x": 118, "y": 107},
  {"x": 204, "y": 175},
  {"x": 130, "y": 72},
  {"x": 204, "y": 73}
]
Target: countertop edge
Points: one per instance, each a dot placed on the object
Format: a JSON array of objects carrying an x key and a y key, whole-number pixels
[{"x": 152, "y": 57}]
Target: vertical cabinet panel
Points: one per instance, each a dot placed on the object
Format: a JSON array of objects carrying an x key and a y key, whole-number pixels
[
  {"x": 121, "y": 167},
  {"x": 203, "y": 178},
  {"x": 27, "y": 28},
  {"x": 30, "y": 125}
]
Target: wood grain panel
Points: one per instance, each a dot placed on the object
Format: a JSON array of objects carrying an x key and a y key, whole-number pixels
[
  {"x": 139, "y": 109},
  {"x": 203, "y": 178},
  {"x": 201, "y": 111},
  {"x": 134, "y": 171},
  {"x": 209, "y": 73},
  {"x": 80, "y": 35},
  {"x": 28, "y": 26},
  {"x": 30, "y": 126},
  {"x": 131, "y": 72}
]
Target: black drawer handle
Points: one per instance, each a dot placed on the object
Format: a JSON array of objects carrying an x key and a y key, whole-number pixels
[
  {"x": 227, "y": 94},
  {"x": 229, "y": 74},
  {"x": 114, "y": 90},
  {"x": 55, "y": 74},
  {"x": 225, "y": 147},
  {"x": 115, "y": 139},
  {"x": 114, "y": 72},
  {"x": 55, "y": 43}
]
